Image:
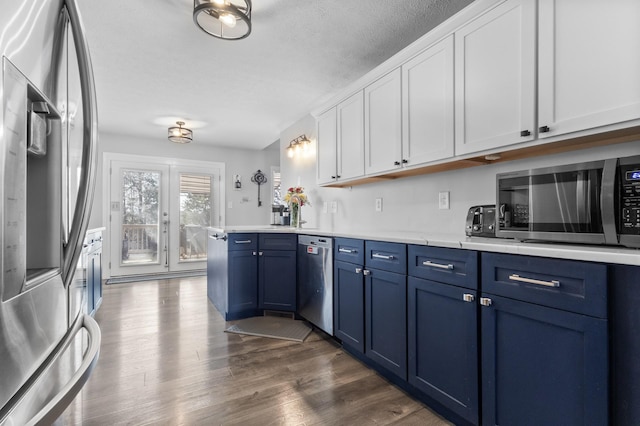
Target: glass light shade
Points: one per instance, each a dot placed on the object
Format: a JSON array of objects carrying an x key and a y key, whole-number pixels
[
  {"x": 180, "y": 134},
  {"x": 225, "y": 19},
  {"x": 290, "y": 151}
]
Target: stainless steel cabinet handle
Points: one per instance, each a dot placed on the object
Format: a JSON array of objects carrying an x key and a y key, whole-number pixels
[
  {"x": 358, "y": 270},
  {"x": 468, "y": 297},
  {"x": 254, "y": 253},
  {"x": 382, "y": 256},
  {"x": 366, "y": 272},
  {"x": 344, "y": 250},
  {"x": 515, "y": 277},
  {"x": 260, "y": 253},
  {"x": 437, "y": 265},
  {"x": 243, "y": 242},
  {"x": 485, "y": 301}
]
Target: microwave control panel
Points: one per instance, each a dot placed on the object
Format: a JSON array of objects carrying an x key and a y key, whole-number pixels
[{"x": 630, "y": 199}]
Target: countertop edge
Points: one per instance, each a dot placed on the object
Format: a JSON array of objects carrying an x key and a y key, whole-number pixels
[{"x": 613, "y": 255}]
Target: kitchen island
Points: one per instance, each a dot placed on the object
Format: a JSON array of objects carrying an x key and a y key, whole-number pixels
[{"x": 596, "y": 303}]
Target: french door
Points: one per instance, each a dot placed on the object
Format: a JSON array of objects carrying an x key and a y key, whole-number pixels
[{"x": 158, "y": 214}]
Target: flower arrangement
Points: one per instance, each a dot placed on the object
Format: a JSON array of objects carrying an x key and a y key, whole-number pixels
[
  {"x": 296, "y": 195},
  {"x": 296, "y": 198}
]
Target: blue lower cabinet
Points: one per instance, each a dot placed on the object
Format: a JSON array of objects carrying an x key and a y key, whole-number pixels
[
  {"x": 386, "y": 320},
  {"x": 348, "y": 304},
  {"x": 243, "y": 282},
  {"x": 443, "y": 344},
  {"x": 541, "y": 365},
  {"x": 277, "y": 280}
]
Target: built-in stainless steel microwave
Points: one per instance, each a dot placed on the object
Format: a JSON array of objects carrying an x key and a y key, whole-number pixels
[{"x": 593, "y": 203}]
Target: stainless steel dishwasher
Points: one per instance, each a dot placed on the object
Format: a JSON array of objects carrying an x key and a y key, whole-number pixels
[{"x": 315, "y": 281}]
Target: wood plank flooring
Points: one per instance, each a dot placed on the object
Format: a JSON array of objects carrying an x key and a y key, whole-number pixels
[{"x": 165, "y": 360}]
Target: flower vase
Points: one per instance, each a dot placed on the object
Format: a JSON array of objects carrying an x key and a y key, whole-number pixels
[{"x": 295, "y": 215}]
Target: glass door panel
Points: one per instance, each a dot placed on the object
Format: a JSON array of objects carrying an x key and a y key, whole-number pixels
[
  {"x": 195, "y": 216},
  {"x": 139, "y": 222}
]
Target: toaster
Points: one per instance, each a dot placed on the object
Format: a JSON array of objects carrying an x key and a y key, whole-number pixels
[{"x": 481, "y": 221}]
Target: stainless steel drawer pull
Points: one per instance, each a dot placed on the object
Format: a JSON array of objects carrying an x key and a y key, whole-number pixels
[
  {"x": 243, "y": 242},
  {"x": 437, "y": 265},
  {"x": 366, "y": 272},
  {"x": 485, "y": 301},
  {"x": 515, "y": 277},
  {"x": 468, "y": 297},
  {"x": 382, "y": 256},
  {"x": 358, "y": 270},
  {"x": 344, "y": 250}
]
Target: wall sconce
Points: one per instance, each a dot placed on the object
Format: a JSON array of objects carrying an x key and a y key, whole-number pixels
[
  {"x": 237, "y": 183},
  {"x": 299, "y": 145}
]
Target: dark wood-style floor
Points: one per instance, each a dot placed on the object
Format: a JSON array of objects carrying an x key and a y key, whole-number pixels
[{"x": 165, "y": 359}]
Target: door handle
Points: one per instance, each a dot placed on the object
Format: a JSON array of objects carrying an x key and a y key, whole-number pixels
[
  {"x": 243, "y": 242},
  {"x": 344, "y": 250}
]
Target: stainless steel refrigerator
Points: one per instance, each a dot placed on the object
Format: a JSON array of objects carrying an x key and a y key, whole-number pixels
[{"x": 48, "y": 136}]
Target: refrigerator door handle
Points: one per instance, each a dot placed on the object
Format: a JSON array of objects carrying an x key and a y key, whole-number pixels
[
  {"x": 89, "y": 155},
  {"x": 49, "y": 413}
]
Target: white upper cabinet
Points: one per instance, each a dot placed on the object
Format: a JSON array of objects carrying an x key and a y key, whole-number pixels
[
  {"x": 589, "y": 64},
  {"x": 427, "y": 105},
  {"x": 351, "y": 137},
  {"x": 383, "y": 124},
  {"x": 495, "y": 78},
  {"x": 326, "y": 134}
]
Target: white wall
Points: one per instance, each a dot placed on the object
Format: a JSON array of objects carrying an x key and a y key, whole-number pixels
[
  {"x": 411, "y": 203},
  {"x": 237, "y": 161}
]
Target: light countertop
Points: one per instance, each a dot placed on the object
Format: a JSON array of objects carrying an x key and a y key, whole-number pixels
[{"x": 604, "y": 254}]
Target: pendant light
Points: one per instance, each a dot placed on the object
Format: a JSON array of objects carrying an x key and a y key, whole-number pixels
[
  {"x": 225, "y": 19},
  {"x": 180, "y": 134}
]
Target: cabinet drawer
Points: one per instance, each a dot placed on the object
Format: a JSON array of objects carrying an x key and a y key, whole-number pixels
[
  {"x": 243, "y": 242},
  {"x": 574, "y": 286},
  {"x": 451, "y": 266},
  {"x": 277, "y": 241},
  {"x": 349, "y": 250},
  {"x": 386, "y": 256}
]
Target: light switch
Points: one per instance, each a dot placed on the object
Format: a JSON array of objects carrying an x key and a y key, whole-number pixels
[
  {"x": 334, "y": 207},
  {"x": 378, "y": 204}
]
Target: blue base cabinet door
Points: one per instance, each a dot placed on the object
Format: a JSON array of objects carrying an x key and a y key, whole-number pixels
[
  {"x": 243, "y": 281},
  {"x": 348, "y": 304},
  {"x": 386, "y": 320},
  {"x": 277, "y": 280},
  {"x": 443, "y": 344},
  {"x": 542, "y": 366}
]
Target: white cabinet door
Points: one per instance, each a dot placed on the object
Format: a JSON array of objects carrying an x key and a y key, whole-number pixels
[
  {"x": 495, "y": 78},
  {"x": 383, "y": 124},
  {"x": 427, "y": 105},
  {"x": 589, "y": 64},
  {"x": 351, "y": 137},
  {"x": 326, "y": 147}
]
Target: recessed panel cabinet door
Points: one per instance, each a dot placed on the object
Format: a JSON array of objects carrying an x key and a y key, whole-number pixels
[
  {"x": 386, "y": 320},
  {"x": 277, "y": 280},
  {"x": 427, "y": 105},
  {"x": 348, "y": 304},
  {"x": 443, "y": 344},
  {"x": 542, "y": 366},
  {"x": 243, "y": 281},
  {"x": 383, "y": 124},
  {"x": 589, "y": 64},
  {"x": 326, "y": 147},
  {"x": 495, "y": 78},
  {"x": 351, "y": 137}
]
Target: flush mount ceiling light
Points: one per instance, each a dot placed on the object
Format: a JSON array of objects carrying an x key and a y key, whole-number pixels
[
  {"x": 225, "y": 19},
  {"x": 298, "y": 145},
  {"x": 180, "y": 134}
]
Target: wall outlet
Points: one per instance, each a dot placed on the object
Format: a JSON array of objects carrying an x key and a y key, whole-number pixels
[
  {"x": 378, "y": 204},
  {"x": 229, "y": 204},
  {"x": 334, "y": 207},
  {"x": 443, "y": 200},
  {"x": 325, "y": 207}
]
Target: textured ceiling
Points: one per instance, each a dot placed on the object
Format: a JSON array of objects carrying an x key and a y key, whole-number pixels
[{"x": 153, "y": 66}]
